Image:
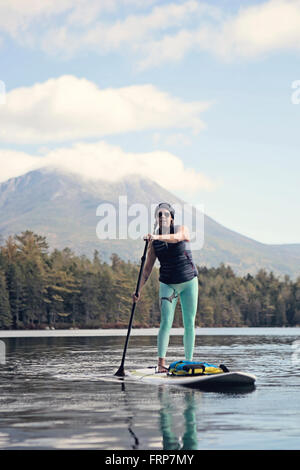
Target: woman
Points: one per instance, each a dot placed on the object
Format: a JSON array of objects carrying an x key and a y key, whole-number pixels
[{"x": 178, "y": 276}]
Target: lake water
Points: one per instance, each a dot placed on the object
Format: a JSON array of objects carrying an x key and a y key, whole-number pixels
[{"x": 57, "y": 391}]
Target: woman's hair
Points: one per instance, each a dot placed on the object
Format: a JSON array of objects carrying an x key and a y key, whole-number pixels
[{"x": 164, "y": 205}]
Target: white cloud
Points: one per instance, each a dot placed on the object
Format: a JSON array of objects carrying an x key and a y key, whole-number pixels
[
  {"x": 20, "y": 15},
  {"x": 171, "y": 48},
  {"x": 131, "y": 32},
  {"x": 14, "y": 163},
  {"x": 69, "y": 108},
  {"x": 65, "y": 27},
  {"x": 171, "y": 140},
  {"x": 259, "y": 29},
  {"x": 152, "y": 33},
  {"x": 253, "y": 31},
  {"x": 100, "y": 160},
  {"x": 16, "y": 16}
]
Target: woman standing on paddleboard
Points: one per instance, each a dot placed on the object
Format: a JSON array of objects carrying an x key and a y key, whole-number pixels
[{"x": 177, "y": 276}]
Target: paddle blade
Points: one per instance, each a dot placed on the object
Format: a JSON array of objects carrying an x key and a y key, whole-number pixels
[{"x": 120, "y": 372}]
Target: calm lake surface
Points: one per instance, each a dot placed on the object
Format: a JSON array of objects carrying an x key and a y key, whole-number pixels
[{"x": 57, "y": 391}]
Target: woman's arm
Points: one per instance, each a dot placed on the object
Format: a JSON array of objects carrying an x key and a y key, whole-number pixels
[{"x": 182, "y": 234}]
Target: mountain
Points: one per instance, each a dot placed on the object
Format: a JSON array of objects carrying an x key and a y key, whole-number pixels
[{"x": 63, "y": 207}]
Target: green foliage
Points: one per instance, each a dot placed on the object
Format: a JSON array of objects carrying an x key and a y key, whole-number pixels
[
  {"x": 5, "y": 313},
  {"x": 39, "y": 289}
]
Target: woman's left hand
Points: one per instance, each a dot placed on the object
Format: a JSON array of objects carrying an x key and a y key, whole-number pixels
[{"x": 149, "y": 237}]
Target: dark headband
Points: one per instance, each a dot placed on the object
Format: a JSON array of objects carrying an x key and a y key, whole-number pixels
[{"x": 165, "y": 205}]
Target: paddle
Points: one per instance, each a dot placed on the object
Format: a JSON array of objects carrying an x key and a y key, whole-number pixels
[{"x": 121, "y": 372}]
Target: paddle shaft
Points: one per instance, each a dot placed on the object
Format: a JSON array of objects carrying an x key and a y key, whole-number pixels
[{"x": 120, "y": 372}]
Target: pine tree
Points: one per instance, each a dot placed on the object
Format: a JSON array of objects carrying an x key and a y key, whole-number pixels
[
  {"x": 280, "y": 313},
  {"x": 91, "y": 307},
  {"x": 32, "y": 255},
  {"x": 5, "y": 313},
  {"x": 206, "y": 309},
  {"x": 38, "y": 288},
  {"x": 15, "y": 285}
]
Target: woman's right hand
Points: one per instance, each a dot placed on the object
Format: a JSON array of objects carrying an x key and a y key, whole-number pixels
[{"x": 136, "y": 298}]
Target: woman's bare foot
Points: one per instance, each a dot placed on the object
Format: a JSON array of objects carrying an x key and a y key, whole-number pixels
[
  {"x": 162, "y": 369},
  {"x": 161, "y": 366}
]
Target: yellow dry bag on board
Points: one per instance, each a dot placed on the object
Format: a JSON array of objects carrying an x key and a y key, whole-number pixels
[{"x": 195, "y": 368}]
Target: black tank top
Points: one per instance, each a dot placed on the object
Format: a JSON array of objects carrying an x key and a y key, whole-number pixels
[{"x": 176, "y": 262}]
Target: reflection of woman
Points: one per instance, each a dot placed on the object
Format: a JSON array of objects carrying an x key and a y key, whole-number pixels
[
  {"x": 189, "y": 437},
  {"x": 178, "y": 276}
]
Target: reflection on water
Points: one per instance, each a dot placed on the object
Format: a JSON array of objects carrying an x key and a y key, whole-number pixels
[
  {"x": 179, "y": 415},
  {"x": 171, "y": 441},
  {"x": 60, "y": 393}
]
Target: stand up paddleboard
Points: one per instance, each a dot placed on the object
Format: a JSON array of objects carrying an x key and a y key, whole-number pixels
[{"x": 222, "y": 380}]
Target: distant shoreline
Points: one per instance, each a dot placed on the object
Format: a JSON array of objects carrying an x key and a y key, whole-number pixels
[{"x": 147, "y": 332}]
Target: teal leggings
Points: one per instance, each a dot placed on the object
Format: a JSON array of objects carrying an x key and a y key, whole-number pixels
[{"x": 168, "y": 296}]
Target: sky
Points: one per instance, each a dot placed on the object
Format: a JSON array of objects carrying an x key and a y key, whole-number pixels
[{"x": 201, "y": 97}]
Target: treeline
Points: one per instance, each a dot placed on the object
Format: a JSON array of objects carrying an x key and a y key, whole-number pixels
[{"x": 39, "y": 289}]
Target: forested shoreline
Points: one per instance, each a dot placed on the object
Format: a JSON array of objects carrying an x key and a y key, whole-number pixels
[{"x": 42, "y": 289}]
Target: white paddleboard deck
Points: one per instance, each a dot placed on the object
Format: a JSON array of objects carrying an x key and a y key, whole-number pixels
[{"x": 224, "y": 379}]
